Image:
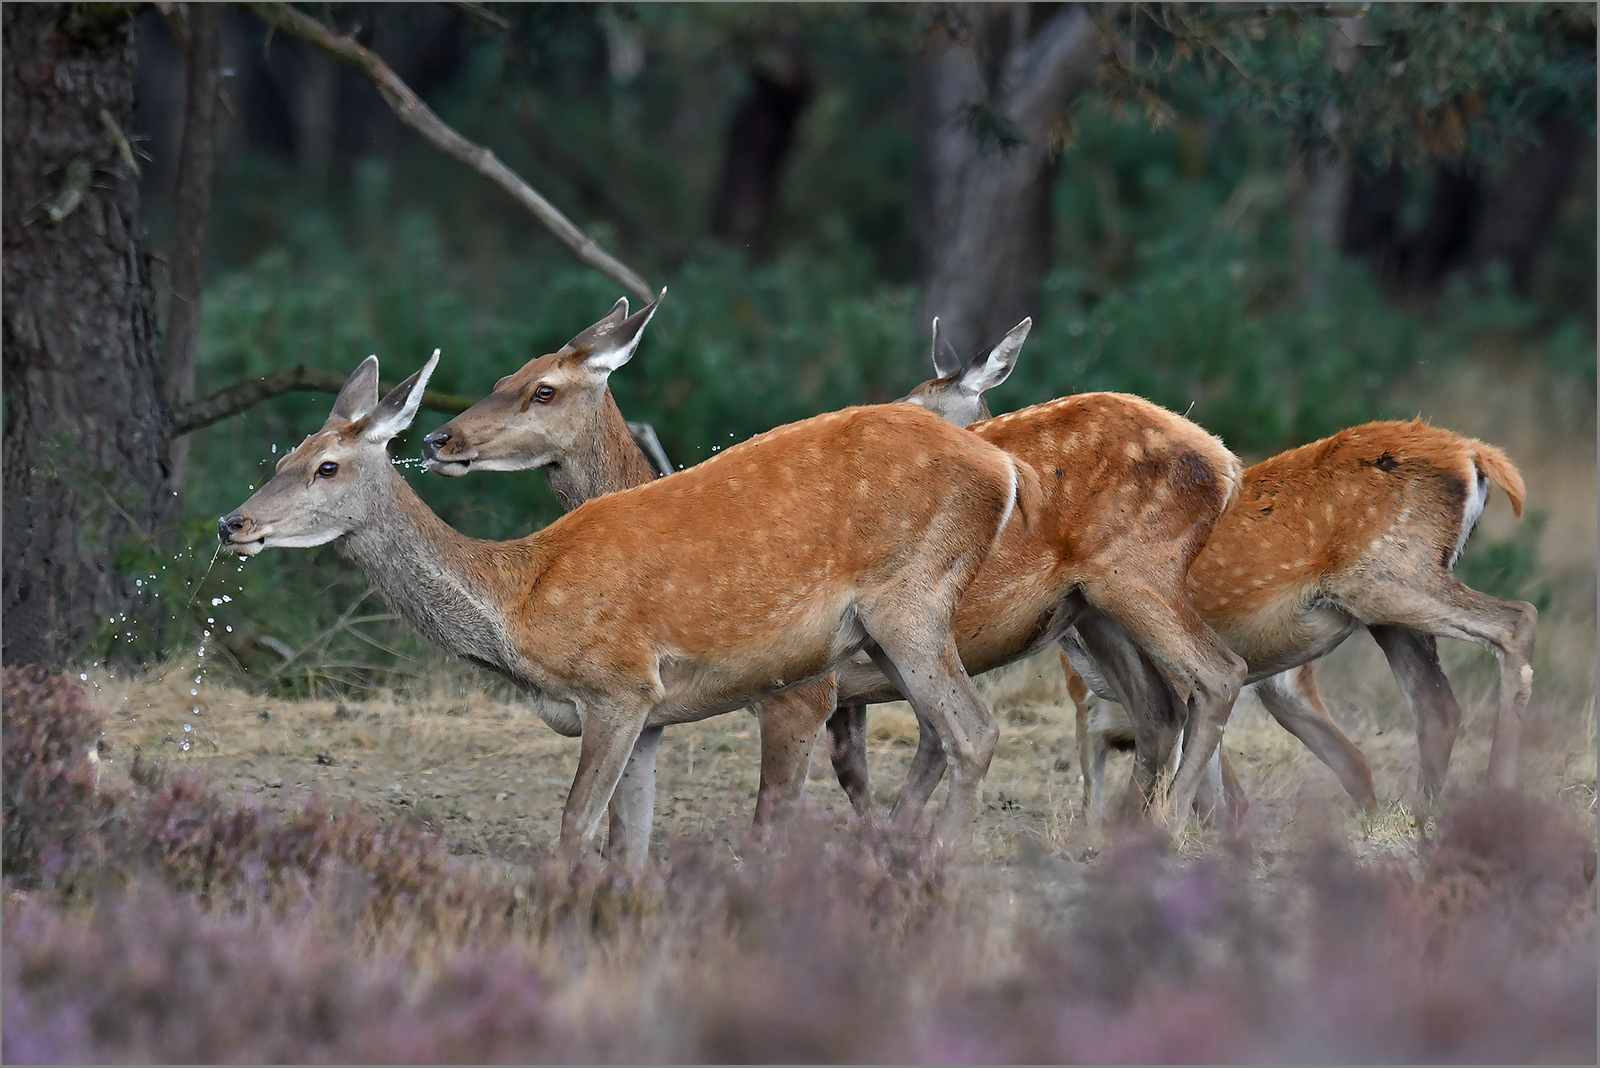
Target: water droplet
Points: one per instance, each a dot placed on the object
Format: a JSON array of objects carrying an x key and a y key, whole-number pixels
[
  {"x": 83, "y": 677},
  {"x": 185, "y": 747},
  {"x": 188, "y": 726},
  {"x": 274, "y": 449},
  {"x": 230, "y": 628},
  {"x": 194, "y": 693}
]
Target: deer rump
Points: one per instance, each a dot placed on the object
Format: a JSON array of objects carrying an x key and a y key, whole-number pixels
[{"x": 1128, "y": 490}]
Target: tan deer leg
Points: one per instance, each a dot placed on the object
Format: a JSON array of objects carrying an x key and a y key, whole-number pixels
[
  {"x": 1414, "y": 659},
  {"x": 1233, "y": 795},
  {"x": 847, "y": 746},
  {"x": 1083, "y": 702},
  {"x": 1174, "y": 635},
  {"x": 1154, "y": 710},
  {"x": 1448, "y": 609},
  {"x": 633, "y": 803},
  {"x": 1291, "y": 698},
  {"x": 789, "y": 726},
  {"x": 964, "y": 729},
  {"x": 609, "y": 735}
]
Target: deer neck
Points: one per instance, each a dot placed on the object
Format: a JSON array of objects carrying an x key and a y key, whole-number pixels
[
  {"x": 605, "y": 460},
  {"x": 441, "y": 581}
]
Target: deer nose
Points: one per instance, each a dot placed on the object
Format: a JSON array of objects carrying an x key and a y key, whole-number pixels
[
  {"x": 434, "y": 442},
  {"x": 229, "y": 525}
]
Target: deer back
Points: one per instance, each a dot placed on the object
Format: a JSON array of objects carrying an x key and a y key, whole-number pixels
[{"x": 1326, "y": 508}]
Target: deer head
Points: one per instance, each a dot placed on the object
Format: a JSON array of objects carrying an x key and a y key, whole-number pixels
[
  {"x": 325, "y": 488},
  {"x": 538, "y": 414},
  {"x": 957, "y": 394}
]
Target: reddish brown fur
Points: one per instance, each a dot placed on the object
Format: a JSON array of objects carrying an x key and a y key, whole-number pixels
[
  {"x": 1363, "y": 527},
  {"x": 1319, "y": 509}
]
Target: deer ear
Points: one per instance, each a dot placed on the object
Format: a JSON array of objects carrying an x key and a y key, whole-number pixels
[
  {"x": 946, "y": 361},
  {"x": 395, "y": 412},
  {"x": 612, "y": 344},
  {"x": 992, "y": 369},
  {"x": 360, "y": 393},
  {"x": 585, "y": 338}
]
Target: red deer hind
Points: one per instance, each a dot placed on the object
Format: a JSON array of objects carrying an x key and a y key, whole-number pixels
[{"x": 759, "y": 569}]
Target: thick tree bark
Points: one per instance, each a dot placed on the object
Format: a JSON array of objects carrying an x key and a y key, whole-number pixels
[
  {"x": 987, "y": 194},
  {"x": 196, "y": 162},
  {"x": 759, "y": 139},
  {"x": 86, "y": 463}
]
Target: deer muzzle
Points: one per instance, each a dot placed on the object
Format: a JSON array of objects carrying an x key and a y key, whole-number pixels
[
  {"x": 442, "y": 452},
  {"x": 241, "y": 536}
]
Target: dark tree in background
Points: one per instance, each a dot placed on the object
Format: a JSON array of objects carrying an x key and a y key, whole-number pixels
[
  {"x": 759, "y": 139},
  {"x": 86, "y": 452},
  {"x": 996, "y": 87}
]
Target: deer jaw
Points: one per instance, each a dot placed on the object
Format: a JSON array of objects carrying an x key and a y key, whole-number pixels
[
  {"x": 321, "y": 491},
  {"x": 326, "y": 488},
  {"x": 547, "y": 412}
]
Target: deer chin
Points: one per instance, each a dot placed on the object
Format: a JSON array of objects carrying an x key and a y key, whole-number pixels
[
  {"x": 245, "y": 548},
  {"x": 448, "y": 468}
]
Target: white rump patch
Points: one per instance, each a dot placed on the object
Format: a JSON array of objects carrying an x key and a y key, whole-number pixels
[{"x": 1476, "y": 500}]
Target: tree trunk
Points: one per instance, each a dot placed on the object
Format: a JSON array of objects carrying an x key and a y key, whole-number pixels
[
  {"x": 1517, "y": 218},
  {"x": 759, "y": 139},
  {"x": 86, "y": 462},
  {"x": 988, "y": 164},
  {"x": 196, "y": 161}
]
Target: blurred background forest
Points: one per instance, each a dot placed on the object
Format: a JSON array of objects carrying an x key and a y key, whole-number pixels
[{"x": 1281, "y": 221}]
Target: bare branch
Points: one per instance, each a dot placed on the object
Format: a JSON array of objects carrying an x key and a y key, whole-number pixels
[
  {"x": 243, "y": 395},
  {"x": 414, "y": 113}
]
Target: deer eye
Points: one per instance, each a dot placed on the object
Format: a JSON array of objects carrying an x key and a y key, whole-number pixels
[
  {"x": 327, "y": 469},
  {"x": 543, "y": 393}
]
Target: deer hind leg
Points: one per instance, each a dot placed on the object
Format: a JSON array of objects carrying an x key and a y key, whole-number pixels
[
  {"x": 1176, "y": 638},
  {"x": 963, "y": 729},
  {"x": 789, "y": 726},
  {"x": 847, "y": 746},
  {"x": 1291, "y": 698},
  {"x": 1446, "y": 608},
  {"x": 633, "y": 804},
  {"x": 610, "y": 732},
  {"x": 1154, "y": 710},
  {"x": 1414, "y": 658}
]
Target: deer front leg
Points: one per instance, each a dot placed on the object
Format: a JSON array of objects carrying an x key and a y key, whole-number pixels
[
  {"x": 609, "y": 734},
  {"x": 847, "y": 747},
  {"x": 1291, "y": 698},
  {"x": 633, "y": 804},
  {"x": 789, "y": 726}
]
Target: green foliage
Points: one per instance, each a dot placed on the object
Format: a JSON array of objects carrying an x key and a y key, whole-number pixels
[
  {"x": 1417, "y": 82},
  {"x": 1509, "y": 567}
]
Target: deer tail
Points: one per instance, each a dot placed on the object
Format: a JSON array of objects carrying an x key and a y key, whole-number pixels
[
  {"x": 1499, "y": 469},
  {"x": 1026, "y": 492}
]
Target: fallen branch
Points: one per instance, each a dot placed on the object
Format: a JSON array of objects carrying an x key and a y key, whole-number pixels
[{"x": 414, "y": 113}]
